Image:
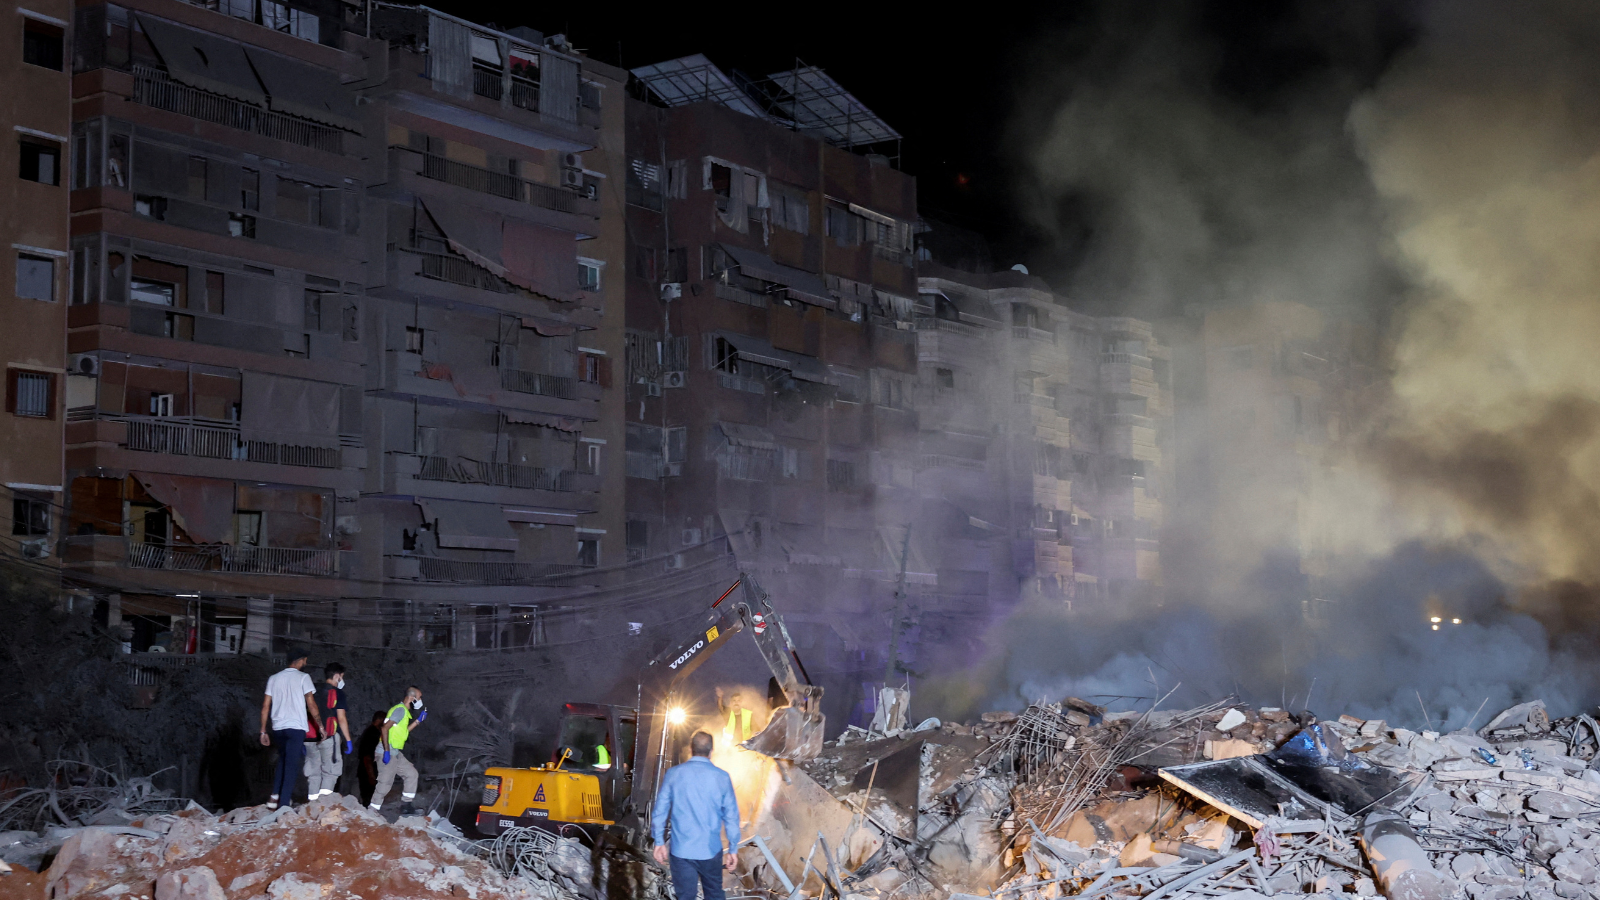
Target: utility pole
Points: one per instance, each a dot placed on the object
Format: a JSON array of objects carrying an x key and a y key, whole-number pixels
[{"x": 899, "y": 609}]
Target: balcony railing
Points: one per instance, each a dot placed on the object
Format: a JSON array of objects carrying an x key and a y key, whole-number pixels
[
  {"x": 739, "y": 295},
  {"x": 153, "y": 87},
  {"x": 539, "y": 383},
  {"x": 487, "y": 84},
  {"x": 471, "y": 471},
  {"x": 213, "y": 439},
  {"x": 500, "y": 184},
  {"x": 1029, "y": 333},
  {"x": 898, "y": 257},
  {"x": 468, "y": 572},
  {"x": 524, "y": 95},
  {"x": 228, "y": 558},
  {"x": 940, "y": 461},
  {"x": 1125, "y": 359},
  {"x": 456, "y": 270}
]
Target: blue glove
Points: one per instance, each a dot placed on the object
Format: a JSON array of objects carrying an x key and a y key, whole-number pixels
[
  {"x": 422, "y": 716},
  {"x": 349, "y": 748},
  {"x": 386, "y": 756}
]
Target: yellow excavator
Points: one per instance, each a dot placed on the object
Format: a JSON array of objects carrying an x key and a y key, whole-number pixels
[{"x": 610, "y": 759}]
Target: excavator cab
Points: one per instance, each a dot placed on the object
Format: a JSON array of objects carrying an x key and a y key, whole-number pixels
[{"x": 585, "y": 785}]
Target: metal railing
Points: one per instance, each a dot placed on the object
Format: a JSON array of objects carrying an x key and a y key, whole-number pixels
[
  {"x": 524, "y": 95},
  {"x": 471, "y": 471},
  {"x": 641, "y": 464},
  {"x": 500, "y": 184},
  {"x": 456, "y": 270},
  {"x": 739, "y": 295},
  {"x": 930, "y": 323},
  {"x": 215, "y": 439},
  {"x": 1029, "y": 333},
  {"x": 1127, "y": 359},
  {"x": 559, "y": 386},
  {"x": 487, "y": 84},
  {"x": 941, "y": 461},
  {"x": 153, "y": 87},
  {"x": 898, "y": 257},
  {"x": 434, "y": 569},
  {"x": 228, "y": 558}
]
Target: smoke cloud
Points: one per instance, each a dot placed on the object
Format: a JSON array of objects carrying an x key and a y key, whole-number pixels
[{"x": 1437, "y": 177}]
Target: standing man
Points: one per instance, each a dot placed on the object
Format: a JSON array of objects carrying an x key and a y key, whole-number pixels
[
  {"x": 403, "y": 718},
  {"x": 324, "y": 764},
  {"x": 697, "y": 800},
  {"x": 291, "y": 704}
]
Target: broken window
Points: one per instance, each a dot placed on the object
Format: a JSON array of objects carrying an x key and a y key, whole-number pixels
[
  {"x": 43, "y": 44},
  {"x": 945, "y": 377},
  {"x": 644, "y": 186},
  {"x": 41, "y": 161},
  {"x": 30, "y": 516},
  {"x": 725, "y": 357},
  {"x": 589, "y": 552},
  {"x": 722, "y": 186},
  {"x": 791, "y": 210},
  {"x": 250, "y": 190},
  {"x": 36, "y": 277},
  {"x": 636, "y": 536}
]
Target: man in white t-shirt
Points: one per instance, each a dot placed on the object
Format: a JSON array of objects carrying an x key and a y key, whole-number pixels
[{"x": 291, "y": 704}]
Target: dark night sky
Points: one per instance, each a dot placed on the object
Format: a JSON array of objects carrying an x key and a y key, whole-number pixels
[{"x": 952, "y": 81}]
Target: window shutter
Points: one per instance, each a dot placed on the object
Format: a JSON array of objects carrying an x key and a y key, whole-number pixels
[
  {"x": 50, "y": 396},
  {"x": 605, "y": 371},
  {"x": 11, "y": 390}
]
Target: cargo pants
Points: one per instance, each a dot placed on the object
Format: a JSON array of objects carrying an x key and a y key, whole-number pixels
[
  {"x": 397, "y": 765},
  {"x": 324, "y": 765}
]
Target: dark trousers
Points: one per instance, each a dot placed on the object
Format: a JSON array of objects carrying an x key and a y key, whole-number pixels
[
  {"x": 689, "y": 874},
  {"x": 291, "y": 744}
]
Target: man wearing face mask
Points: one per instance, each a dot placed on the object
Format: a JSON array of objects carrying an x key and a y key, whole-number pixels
[
  {"x": 324, "y": 763},
  {"x": 403, "y": 718}
]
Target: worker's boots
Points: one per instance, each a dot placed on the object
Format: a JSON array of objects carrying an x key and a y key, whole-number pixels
[{"x": 406, "y": 809}]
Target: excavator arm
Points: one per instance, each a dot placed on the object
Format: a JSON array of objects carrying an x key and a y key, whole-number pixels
[{"x": 793, "y": 732}]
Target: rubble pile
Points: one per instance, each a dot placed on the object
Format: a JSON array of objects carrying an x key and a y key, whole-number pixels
[
  {"x": 330, "y": 848},
  {"x": 1066, "y": 799}
]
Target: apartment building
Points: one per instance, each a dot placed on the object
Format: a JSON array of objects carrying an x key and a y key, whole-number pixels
[
  {"x": 37, "y": 119},
  {"x": 1062, "y": 424},
  {"x": 1269, "y": 394},
  {"x": 771, "y": 354},
  {"x": 326, "y": 282}
]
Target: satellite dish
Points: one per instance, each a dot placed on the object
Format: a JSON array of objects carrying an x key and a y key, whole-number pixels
[{"x": 1019, "y": 267}]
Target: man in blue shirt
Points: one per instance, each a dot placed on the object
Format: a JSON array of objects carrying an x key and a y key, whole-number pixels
[{"x": 697, "y": 799}]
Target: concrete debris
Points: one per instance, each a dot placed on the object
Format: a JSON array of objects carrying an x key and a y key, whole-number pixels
[
  {"x": 1070, "y": 800},
  {"x": 330, "y": 849}
]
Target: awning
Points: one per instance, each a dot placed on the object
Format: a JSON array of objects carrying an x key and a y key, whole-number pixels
[
  {"x": 298, "y": 89},
  {"x": 288, "y": 410},
  {"x": 547, "y": 328},
  {"x": 540, "y": 516},
  {"x": 204, "y": 61},
  {"x": 542, "y": 259},
  {"x": 471, "y": 526},
  {"x": 970, "y": 309},
  {"x": 560, "y": 423},
  {"x": 756, "y": 350},
  {"x": 878, "y": 217},
  {"x": 202, "y": 507},
  {"x": 470, "y": 233},
  {"x": 754, "y": 436},
  {"x": 798, "y": 283}
]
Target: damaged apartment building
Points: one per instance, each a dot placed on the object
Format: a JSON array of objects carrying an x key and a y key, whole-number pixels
[
  {"x": 867, "y": 440},
  {"x": 339, "y": 358}
]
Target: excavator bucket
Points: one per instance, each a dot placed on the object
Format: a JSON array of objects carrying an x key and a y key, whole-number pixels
[{"x": 794, "y": 732}]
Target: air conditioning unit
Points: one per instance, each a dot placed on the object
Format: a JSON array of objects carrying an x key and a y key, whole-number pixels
[
  {"x": 652, "y": 388},
  {"x": 572, "y": 160},
  {"x": 691, "y": 536},
  {"x": 572, "y": 178},
  {"x": 672, "y": 470},
  {"x": 38, "y": 548},
  {"x": 674, "y": 379},
  {"x": 84, "y": 364},
  {"x": 671, "y": 291},
  {"x": 675, "y": 561}
]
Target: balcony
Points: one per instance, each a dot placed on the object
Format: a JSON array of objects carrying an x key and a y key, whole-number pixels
[
  {"x": 898, "y": 257},
  {"x": 228, "y": 558},
  {"x": 940, "y": 461},
  {"x": 471, "y": 471},
  {"x": 500, "y": 184},
  {"x": 739, "y": 295},
  {"x": 462, "y": 271},
  {"x": 525, "y": 95},
  {"x": 211, "y": 439},
  {"x": 153, "y": 87},
  {"x": 470, "y": 572},
  {"x": 1029, "y": 333},
  {"x": 486, "y": 83},
  {"x": 1125, "y": 359},
  {"x": 539, "y": 383}
]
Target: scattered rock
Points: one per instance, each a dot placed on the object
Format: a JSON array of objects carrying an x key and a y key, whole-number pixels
[{"x": 196, "y": 883}]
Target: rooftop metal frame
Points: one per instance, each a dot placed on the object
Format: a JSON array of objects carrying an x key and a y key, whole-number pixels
[{"x": 696, "y": 79}]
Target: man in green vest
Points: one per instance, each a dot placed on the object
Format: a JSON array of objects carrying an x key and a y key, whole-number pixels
[{"x": 402, "y": 719}]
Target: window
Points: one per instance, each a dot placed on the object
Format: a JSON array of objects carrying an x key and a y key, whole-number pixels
[
  {"x": 160, "y": 404},
  {"x": 214, "y": 292},
  {"x": 158, "y": 292},
  {"x": 644, "y": 184},
  {"x": 250, "y": 190},
  {"x": 677, "y": 270},
  {"x": 841, "y": 475},
  {"x": 31, "y": 394},
  {"x": 945, "y": 377},
  {"x": 43, "y": 44},
  {"x": 413, "y": 339},
  {"x": 644, "y": 262},
  {"x": 36, "y": 277},
  {"x": 589, "y": 552},
  {"x": 722, "y": 185},
  {"x": 248, "y": 526},
  {"x": 307, "y": 204},
  {"x": 724, "y": 357},
  {"x": 197, "y": 177},
  {"x": 790, "y": 209},
  {"x": 179, "y": 327},
  {"x": 677, "y": 444},
  {"x": 591, "y": 458},
  {"x": 589, "y": 274},
  {"x": 154, "y": 207},
  {"x": 30, "y": 516},
  {"x": 589, "y": 95},
  {"x": 240, "y": 225},
  {"x": 41, "y": 161},
  {"x": 791, "y": 462},
  {"x": 590, "y": 370},
  {"x": 637, "y": 537}
]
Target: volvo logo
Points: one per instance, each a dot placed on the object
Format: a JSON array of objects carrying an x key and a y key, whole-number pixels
[{"x": 686, "y": 654}]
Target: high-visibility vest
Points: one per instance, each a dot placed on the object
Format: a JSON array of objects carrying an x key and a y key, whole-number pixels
[
  {"x": 399, "y": 731},
  {"x": 743, "y": 732},
  {"x": 602, "y": 756}
]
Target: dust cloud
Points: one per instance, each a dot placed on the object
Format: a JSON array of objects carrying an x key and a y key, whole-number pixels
[{"x": 1446, "y": 189}]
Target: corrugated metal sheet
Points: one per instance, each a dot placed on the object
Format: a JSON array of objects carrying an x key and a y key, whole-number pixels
[
  {"x": 450, "y": 57},
  {"x": 298, "y": 89},
  {"x": 558, "y": 88}
]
